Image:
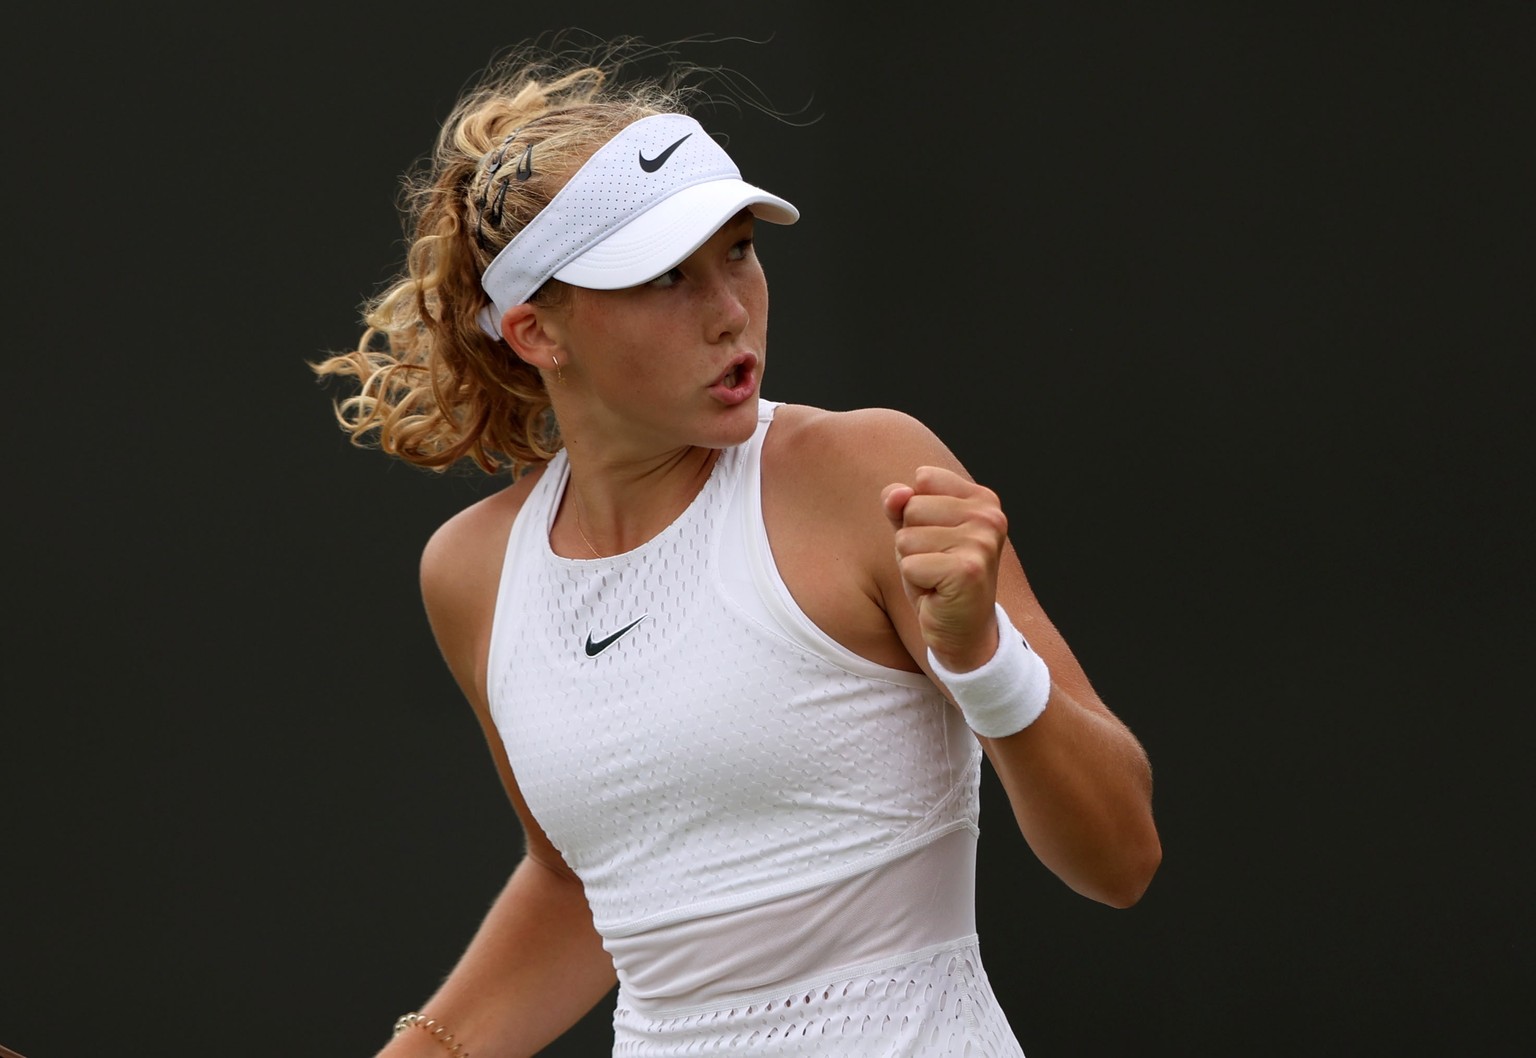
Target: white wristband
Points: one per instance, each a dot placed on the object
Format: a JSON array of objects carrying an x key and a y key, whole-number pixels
[{"x": 1005, "y": 695}]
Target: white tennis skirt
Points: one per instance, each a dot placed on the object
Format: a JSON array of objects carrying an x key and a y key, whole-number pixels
[{"x": 933, "y": 1004}]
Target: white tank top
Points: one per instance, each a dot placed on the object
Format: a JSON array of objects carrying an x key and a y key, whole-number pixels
[{"x": 716, "y": 768}]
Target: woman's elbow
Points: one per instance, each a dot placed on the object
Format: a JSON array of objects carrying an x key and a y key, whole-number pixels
[
  {"x": 1120, "y": 872},
  {"x": 1130, "y": 882}
]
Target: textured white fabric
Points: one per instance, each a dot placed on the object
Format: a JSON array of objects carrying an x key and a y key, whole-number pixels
[
  {"x": 724, "y": 771},
  {"x": 698, "y": 764},
  {"x": 929, "y": 1005},
  {"x": 920, "y": 901}
]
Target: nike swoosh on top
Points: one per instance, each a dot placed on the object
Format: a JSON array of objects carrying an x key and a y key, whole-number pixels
[
  {"x": 596, "y": 647},
  {"x": 650, "y": 165}
]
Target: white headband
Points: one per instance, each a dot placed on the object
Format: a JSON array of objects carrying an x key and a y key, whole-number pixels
[{"x": 645, "y": 200}]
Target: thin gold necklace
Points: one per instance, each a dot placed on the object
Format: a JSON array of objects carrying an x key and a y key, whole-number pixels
[{"x": 580, "y": 530}]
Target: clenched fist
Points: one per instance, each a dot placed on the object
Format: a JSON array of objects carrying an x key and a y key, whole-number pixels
[{"x": 949, "y": 535}]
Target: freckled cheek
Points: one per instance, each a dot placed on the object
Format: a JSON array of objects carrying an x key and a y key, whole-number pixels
[
  {"x": 636, "y": 369},
  {"x": 753, "y": 302},
  {"x": 757, "y": 314}
]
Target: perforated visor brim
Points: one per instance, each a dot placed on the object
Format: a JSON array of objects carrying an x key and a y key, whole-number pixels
[{"x": 664, "y": 235}]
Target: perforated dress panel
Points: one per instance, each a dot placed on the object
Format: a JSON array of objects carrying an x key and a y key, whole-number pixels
[
  {"x": 723, "y": 755},
  {"x": 936, "y": 1004},
  {"x": 701, "y": 761}
]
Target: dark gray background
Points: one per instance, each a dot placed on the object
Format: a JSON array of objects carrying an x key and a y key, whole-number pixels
[{"x": 1231, "y": 304}]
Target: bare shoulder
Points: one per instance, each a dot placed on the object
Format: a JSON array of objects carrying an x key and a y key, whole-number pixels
[
  {"x": 460, "y": 577},
  {"x": 474, "y": 534},
  {"x": 461, "y": 572},
  {"x": 824, "y": 471},
  {"x": 840, "y": 447}
]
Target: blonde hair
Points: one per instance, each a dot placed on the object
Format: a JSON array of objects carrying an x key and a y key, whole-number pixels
[{"x": 432, "y": 387}]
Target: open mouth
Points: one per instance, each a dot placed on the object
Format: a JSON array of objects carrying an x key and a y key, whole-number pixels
[
  {"x": 738, "y": 383},
  {"x": 739, "y": 374}
]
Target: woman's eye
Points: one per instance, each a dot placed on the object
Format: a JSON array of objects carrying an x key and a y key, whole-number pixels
[
  {"x": 741, "y": 250},
  {"x": 666, "y": 279}
]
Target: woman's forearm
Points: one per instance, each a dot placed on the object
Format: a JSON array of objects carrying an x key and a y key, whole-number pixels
[{"x": 533, "y": 969}]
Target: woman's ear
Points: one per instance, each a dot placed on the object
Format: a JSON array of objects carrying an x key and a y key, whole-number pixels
[{"x": 524, "y": 329}]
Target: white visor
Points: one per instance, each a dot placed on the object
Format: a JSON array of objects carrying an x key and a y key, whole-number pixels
[{"x": 645, "y": 200}]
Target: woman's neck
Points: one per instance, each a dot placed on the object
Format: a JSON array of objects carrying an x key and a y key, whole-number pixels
[{"x": 617, "y": 505}]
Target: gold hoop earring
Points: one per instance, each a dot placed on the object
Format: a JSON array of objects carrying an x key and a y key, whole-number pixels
[{"x": 559, "y": 378}]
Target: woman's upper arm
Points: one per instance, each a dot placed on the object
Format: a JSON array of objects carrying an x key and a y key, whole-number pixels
[
  {"x": 883, "y": 446},
  {"x": 460, "y": 574}
]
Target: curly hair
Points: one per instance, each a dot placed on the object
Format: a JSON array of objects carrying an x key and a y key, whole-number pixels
[{"x": 432, "y": 388}]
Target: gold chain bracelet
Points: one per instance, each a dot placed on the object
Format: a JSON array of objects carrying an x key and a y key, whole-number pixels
[{"x": 438, "y": 1030}]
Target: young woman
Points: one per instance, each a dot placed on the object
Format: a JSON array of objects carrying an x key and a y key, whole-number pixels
[{"x": 737, "y": 661}]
